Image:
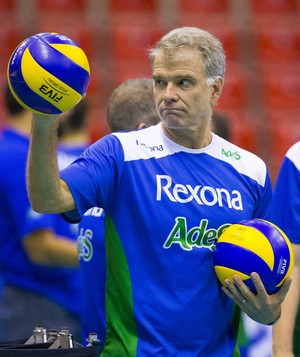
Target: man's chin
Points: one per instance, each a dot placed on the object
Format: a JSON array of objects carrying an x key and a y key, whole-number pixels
[{"x": 172, "y": 124}]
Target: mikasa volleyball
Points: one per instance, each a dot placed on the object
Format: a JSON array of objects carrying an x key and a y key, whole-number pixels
[
  {"x": 48, "y": 73},
  {"x": 254, "y": 245}
]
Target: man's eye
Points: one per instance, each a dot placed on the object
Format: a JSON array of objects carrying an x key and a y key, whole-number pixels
[
  {"x": 158, "y": 83},
  {"x": 184, "y": 82}
]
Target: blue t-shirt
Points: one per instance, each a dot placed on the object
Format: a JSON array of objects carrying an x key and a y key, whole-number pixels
[
  {"x": 286, "y": 197},
  {"x": 165, "y": 207},
  {"x": 60, "y": 284},
  {"x": 91, "y": 251}
]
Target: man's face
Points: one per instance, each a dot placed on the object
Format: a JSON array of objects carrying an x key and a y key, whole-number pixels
[{"x": 182, "y": 97}]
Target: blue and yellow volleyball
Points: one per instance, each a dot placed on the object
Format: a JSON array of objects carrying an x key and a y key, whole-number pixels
[
  {"x": 254, "y": 245},
  {"x": 48, "y": 73}
]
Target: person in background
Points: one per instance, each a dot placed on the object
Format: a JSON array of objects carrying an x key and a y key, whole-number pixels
[
  {"x": 254, "y": 339},
  {"x": 285, "y": 214},
  {"x": 73, "y": 133},
  {"x": 131, "y": 106},
  {"x": 221, "y": 125},
  {"x": 168, "y": 193},
  {"x": 39, "y": 262},
  {"x": 56, "y": 239},
  {"x": 14, "y": 144}
]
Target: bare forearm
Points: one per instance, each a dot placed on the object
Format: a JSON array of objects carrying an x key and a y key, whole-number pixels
[
  {"x": 283, "y": 331},
  {"x": 46, "y": 248},
  {"x": 47, "y": 192},
  {"x": 61, "y": 252}
]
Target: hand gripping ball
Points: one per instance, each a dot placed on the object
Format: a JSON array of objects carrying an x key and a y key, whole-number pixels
[
  {"x": 257, "y": 246},
  {"x": 48, "y": 73}
]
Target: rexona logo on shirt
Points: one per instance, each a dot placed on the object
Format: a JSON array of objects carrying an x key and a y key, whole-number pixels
[
  {"x": 151, "y": 148},
  {"x": 203, "y": 195},
  {"x": 196, "y": 237}
]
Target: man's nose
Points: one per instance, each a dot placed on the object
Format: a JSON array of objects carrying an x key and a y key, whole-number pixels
[{"x": 170, "y": 93}]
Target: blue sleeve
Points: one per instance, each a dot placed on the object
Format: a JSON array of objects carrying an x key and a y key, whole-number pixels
[
  {"x": 286, "y": 200},
  {"x": 93, "y": 178}
]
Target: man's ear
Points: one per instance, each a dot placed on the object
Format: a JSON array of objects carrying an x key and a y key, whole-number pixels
[{"x": 217, "y": 89}]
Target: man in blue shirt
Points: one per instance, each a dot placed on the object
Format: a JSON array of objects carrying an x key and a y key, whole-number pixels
[
  {"x": 131, "y": 106},
  {"x": 39, "y": 261},
  {"x": 168, "y": 192},
  {"x": 285, "y": 211}
]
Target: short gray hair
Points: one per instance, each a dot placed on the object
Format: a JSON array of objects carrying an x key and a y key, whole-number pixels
[{"x": 208, "y": 45}]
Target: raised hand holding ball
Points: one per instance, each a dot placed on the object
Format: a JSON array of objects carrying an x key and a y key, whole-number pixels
[
  {"x": 254, "y": 245},
  {"x": 48, "y": 73}
]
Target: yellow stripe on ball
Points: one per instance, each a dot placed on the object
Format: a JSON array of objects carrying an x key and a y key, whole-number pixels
[
  {"x": 227, "y": 273},
  {"x": 76, "y": 54},
  {"x": 46, "y": 85},
  {"x": 244, "y": 236}
]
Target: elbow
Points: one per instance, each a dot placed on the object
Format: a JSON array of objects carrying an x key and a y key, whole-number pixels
[
  {"x": 37, "y": 204},
  {"x": 43, "y": 205},
  {"x": 37, "y": 208},
  {"x": 41, "y": 201},
  {"x": 37, "y": 201},
  {"x": 50, "y": 200}
]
